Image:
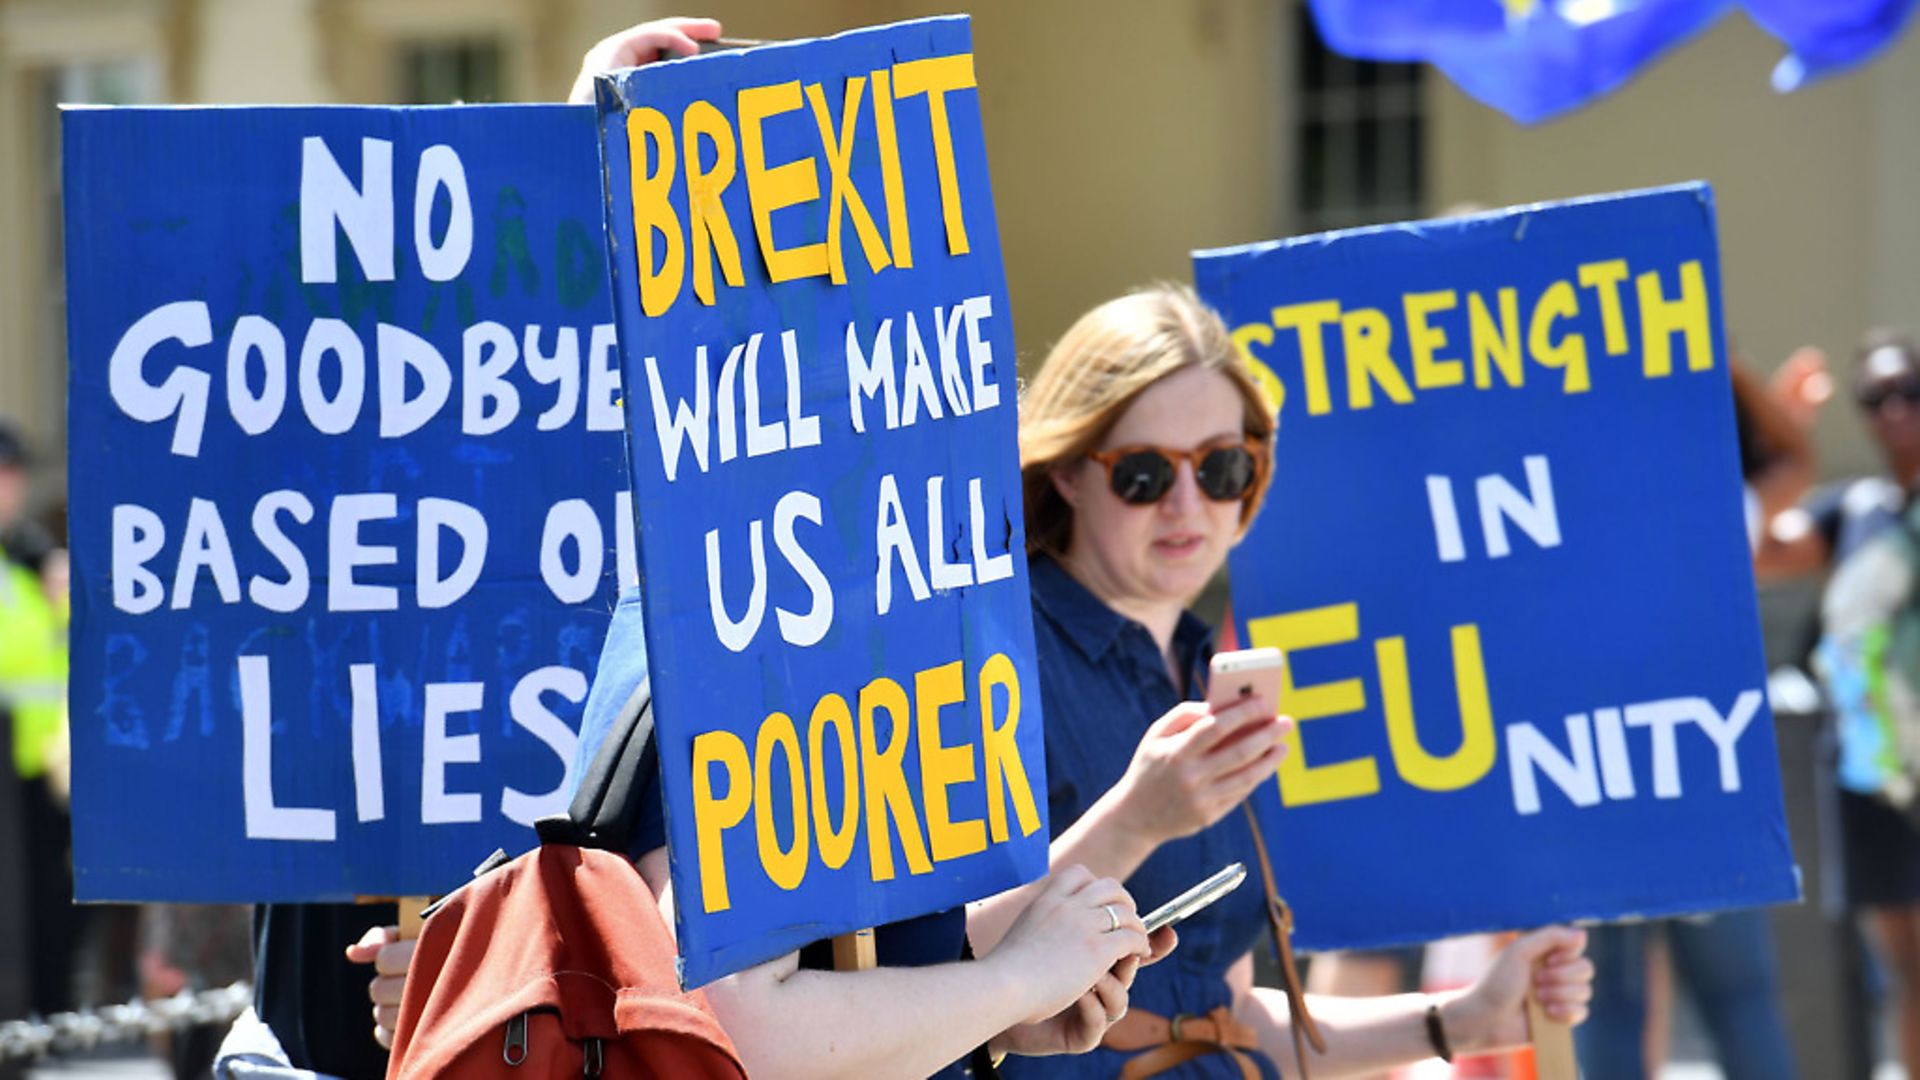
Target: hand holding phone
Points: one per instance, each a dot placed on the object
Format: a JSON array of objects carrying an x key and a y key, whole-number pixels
[
  {"x": 1200, "y": 760},
  {"x": 1245, "y": 673},
  {"x": 1196, "y": 898},
  {"x": 1242, "y": 674}
]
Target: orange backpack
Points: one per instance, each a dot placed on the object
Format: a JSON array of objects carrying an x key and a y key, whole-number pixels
[{"x": 558, "y": 964}]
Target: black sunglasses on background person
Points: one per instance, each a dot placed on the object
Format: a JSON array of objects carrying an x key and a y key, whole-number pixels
[{"x": 1875, "y": 395}]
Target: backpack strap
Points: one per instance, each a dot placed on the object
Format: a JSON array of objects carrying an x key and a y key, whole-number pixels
[{"x": 619, "y": 776}]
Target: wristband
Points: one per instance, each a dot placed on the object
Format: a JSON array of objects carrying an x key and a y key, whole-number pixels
[{"x": 1437, "y": 1034}]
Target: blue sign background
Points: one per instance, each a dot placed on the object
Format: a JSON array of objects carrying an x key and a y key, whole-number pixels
[
  {"x": 701, "y": 685},
  {"x": 172, "y": 205},
  {"x": 1649, "y": 595}
]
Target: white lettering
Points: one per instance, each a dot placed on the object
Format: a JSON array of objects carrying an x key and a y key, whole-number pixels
[
  {"x": 440, "y": 168},
  {"x": 365, "y": 214}
]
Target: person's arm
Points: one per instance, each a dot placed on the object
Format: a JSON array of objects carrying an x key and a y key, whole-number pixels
[
  {"x": 1186, "y": 775},
  {"x": 789, "y": 1022},
  {"x": 1791, "y": 542},
  {"x": 1782, "y": 428},
  {"x": 1372, "y": 1035}
]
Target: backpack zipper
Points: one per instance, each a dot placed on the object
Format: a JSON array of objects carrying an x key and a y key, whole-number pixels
[{"x": 516, "y": 1049}]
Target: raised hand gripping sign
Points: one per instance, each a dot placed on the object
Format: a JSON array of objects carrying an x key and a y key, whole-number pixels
[
  {"x": 815, "y": 335},
  {"x": 348, "y": 491},
  {"x": 1505, "y": 555}
]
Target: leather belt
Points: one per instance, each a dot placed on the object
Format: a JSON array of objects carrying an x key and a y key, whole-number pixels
[{"x": 1170, "y": 1043}]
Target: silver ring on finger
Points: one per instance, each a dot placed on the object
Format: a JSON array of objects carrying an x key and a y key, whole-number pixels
[{"x": 1113, "y": 917}]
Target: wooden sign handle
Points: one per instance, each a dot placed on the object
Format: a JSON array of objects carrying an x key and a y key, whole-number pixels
[
  {"x": 854, "y": 952},
  {"x": 411, "y": 918},
  {"x": 1552, "y": 1045}
]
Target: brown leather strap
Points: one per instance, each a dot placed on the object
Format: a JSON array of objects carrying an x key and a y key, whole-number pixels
[
  {"x": 1169, "y": 1044},
  {"x": 1140, "y": 1030},
  {"x": 1281, "y": 918},
  {"x": 1172, "y": 1056}
]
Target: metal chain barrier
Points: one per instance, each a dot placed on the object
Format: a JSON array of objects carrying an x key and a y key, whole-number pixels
[{"x": 74, "y": 1032}]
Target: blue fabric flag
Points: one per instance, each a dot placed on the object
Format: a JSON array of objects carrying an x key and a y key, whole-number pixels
[
  {"x": 1825, "y": 36},
  {"x": 1528, "y": 58},
  {"x": 1534, "y": 59}
]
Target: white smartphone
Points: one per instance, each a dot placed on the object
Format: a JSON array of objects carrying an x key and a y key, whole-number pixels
[
  {"x": 1198, "y": 897},
  {"x": 1244, "y": 673}
]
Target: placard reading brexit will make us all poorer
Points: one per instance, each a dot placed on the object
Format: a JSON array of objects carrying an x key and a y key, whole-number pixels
[
  {"x": 349, "y": 494},
  {"x": 821, "y": 400},
  {"x": 1506, "y": 556}
]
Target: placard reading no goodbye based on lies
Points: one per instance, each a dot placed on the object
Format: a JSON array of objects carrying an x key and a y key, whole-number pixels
[{"x": 349, "y": 497}]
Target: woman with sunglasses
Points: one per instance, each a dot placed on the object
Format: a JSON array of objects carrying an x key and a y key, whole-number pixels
[
  {"x": 1145, "y": 448},
  {"x": 1867, "y": 532}
]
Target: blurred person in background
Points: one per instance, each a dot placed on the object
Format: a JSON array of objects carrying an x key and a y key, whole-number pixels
[
  {"x": 191, "y": 948},
  {"x": 1866, "y": 532},
  {"x": 33, "y": 694}
]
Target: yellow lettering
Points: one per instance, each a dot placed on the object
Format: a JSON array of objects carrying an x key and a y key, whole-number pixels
[
  {"x": 942, "y": 767},
  {"x": 1002, "y": 753},
  {"x": 836, "y": 845},
  {"x": 891, "y": 181},
  {"x": 768, "y": 190},
  {"x": 840, "y": 189},
  {"x": 1604, "y": 279},
  {"x": 711, "y": 817},
  {"x": 1309, "y": 321},
  {"x": 1302, "y": 784},
  {"x": 1366, "y": 335},
  {"x": 1474, "y": 758},
  {"x": 653, "y": 210},
  {"x": 785, "y": 867},
  {"x": 886, "y": 782},
  {"x": 1660, "y": 318},
  {"x": 1569, "y": 354},
  {"x": 1424, "y": 340},
  {"x": 1244, "y": 339},
  {"x": 709, "y": 233},
  {"x": 934, "y": 77},
  {"x": 1495, "y": 346}
]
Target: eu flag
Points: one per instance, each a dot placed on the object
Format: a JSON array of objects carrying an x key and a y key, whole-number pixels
[
  {"x": 1827, "y": 35},
  {"x": 1533, "y": 59}
]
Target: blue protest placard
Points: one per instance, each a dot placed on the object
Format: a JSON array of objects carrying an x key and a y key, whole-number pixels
[
  {"x": 1505, "y": 555},
  {"x": 349, "y": 491},
  {"x": 815, "y": 335}
]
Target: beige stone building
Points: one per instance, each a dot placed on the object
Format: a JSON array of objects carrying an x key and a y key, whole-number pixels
[{"x": 1122, "y": 133}]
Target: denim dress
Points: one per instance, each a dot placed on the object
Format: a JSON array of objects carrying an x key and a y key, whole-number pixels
[{"x": 1103, "y": 684}]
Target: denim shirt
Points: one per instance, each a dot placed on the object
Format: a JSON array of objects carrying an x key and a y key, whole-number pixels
[{"x": 1104, "y": 683}]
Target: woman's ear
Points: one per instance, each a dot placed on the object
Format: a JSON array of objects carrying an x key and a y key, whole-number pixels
[{"x": 1063, "y": 484}]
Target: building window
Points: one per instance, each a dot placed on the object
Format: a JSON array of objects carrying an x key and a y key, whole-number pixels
[
  {"x": 1359, "y": 137},
  {"x": 444, "y": 72}
]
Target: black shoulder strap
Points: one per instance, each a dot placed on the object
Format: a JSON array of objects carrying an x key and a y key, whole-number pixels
[{"x": 621, "y": 773}]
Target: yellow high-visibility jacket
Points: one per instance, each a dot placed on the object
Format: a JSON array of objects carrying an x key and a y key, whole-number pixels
[{"x": 33, "y": 669}]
